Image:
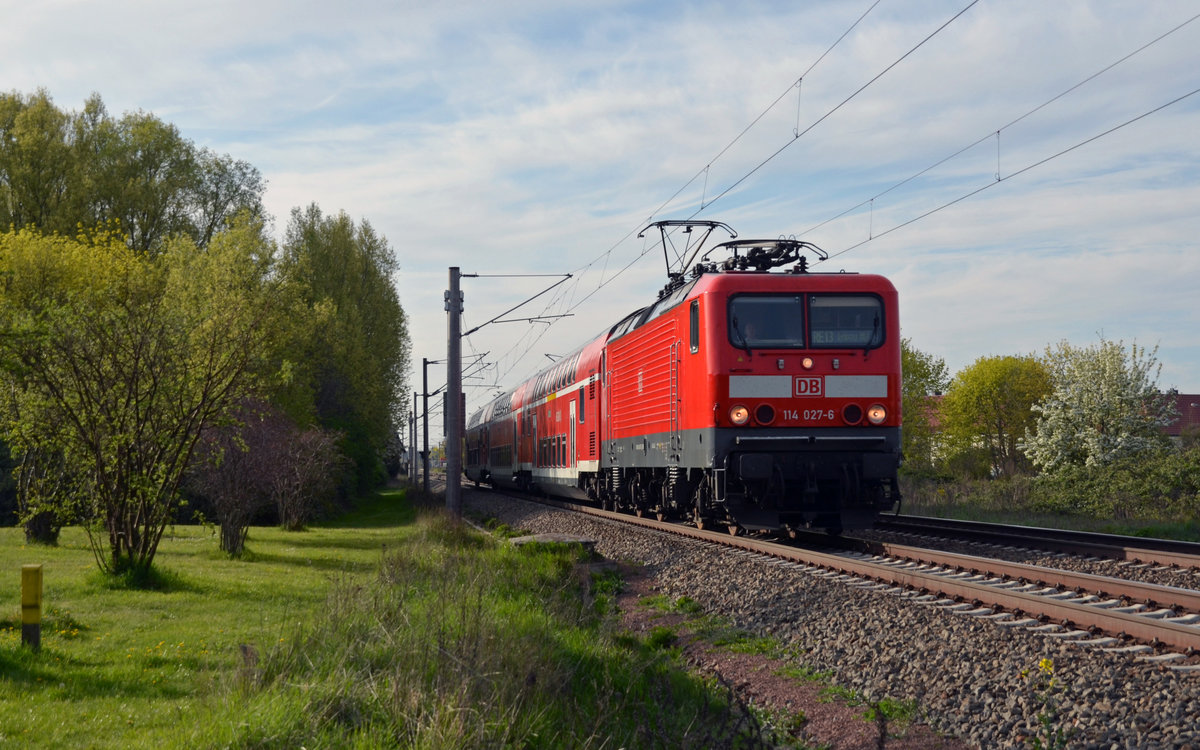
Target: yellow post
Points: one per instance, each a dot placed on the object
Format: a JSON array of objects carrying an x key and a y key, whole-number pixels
[{"x": 31, "y": 606}]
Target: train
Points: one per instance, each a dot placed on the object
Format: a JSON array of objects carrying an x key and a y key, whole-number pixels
[{"x": 754, "y": 393}]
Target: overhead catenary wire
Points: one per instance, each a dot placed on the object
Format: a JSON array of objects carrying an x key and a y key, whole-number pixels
[
  {"x": 800, "y": 133},
  {"x": 527, "y": 342},
  {"x": 996, "y": 133},
  {"x": 795, "y": 136},
  {"x": 992, "y": 183}
]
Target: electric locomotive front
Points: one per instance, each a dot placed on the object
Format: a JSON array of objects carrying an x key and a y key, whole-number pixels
[{"x": 806, "y": 390}]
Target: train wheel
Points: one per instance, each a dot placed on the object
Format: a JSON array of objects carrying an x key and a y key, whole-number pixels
[
  {"x": 661, "y": 516},
  {"x": 735, "y": 530},
  {"x": 639, "y": 512}
]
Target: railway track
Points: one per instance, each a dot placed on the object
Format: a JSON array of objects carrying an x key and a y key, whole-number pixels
[
  {"x": 1157, "y": 624},
  {"x": 1134, "y": 550},
  {"x": 970, "y": 676}
]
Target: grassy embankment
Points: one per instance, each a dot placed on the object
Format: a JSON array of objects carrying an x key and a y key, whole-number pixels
[
  {"x": 1101, "y": 506},
  {"x": 390, "y": 627}
]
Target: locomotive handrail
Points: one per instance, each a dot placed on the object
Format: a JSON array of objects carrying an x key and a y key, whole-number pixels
[{"x": 750, "y": 439}]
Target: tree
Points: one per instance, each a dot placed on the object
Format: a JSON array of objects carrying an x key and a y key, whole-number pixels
[
  {"x": 231, "y": 469},
  {"x": 35, "y": 161},
  {"x": 303, "y": 467},
  {"x": 988, "y": 409},
  {"x": 356, "y": 355},
  {"x": 223, "y": 188},
  {"x": 60, "y": 170},
  {"x": 925, "y": 376},
  {"x": 1105, "y": 406},
  {"x": 120, "y": 360},
  {"x": 43, "y": 482},
  {"x": 142, "y": 176}
]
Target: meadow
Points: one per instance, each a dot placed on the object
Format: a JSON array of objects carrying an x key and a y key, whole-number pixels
[
  {"x": 129, "y": 667},
  {"x": 391, "y": 627}
]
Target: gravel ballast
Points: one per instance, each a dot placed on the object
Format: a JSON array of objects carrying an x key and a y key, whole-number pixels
[{"x": 971, "y": 679}]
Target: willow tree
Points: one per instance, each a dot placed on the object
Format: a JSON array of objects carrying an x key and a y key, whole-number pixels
[
  {"x": 60, "y": 170},
  {"x": 36, "y": 161},
  {"x": 129, "y": 358}
]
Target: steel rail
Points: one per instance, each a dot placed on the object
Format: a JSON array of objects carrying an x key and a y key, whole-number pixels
[
  {"x": 1133, "y": 549},
  {"x": 1139, "y": 591}
]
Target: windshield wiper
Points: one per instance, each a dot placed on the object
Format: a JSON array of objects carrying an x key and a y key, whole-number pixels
[
  {"x": 871, "y": 338},
  {"x": 738, "y": 330}
]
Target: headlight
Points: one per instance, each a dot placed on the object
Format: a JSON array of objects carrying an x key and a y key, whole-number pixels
[
  {"x": 852, "y": 414},
  {"x": 764, "y": 414},
  {"x": 739, "y": 415},
  {"x": 876, "y": 414}
]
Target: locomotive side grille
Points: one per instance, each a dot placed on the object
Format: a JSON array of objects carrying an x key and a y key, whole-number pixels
[
  {"x": 641, "y": 397},
  {"x": 592, "y": 443}
]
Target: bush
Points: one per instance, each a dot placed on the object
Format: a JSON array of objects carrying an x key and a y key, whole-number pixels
[
  {"x": 1163, "y": 487},
  {"x": 1158, "y": 488}
]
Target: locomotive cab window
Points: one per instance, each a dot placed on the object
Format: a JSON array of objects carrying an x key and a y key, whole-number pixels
[
  {"x": 766, "y": 321},
  {"x": 844, "y": 321},
  {"x": 694, "y": 326}
]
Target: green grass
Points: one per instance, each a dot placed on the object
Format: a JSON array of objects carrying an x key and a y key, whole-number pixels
[
  {"x": 383, "y": 629},
  {"x": 805, "y": 673},
  {"x": 130, "y": 667}
]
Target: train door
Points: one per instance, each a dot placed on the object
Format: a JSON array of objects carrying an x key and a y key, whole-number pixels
[
  {"x": 605, "y": 426},
  {"x": 572, "y": 428},
  {"x": 676, "y": 438}
]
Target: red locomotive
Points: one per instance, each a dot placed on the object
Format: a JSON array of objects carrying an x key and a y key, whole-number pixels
[{"x": 762, "y": 397}]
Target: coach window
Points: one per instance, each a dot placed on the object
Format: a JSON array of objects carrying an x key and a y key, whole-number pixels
[
  {"x": 580, "y": 404},
  {"x": 846, "y": 320},
  {"x": 694, "y": 324}
]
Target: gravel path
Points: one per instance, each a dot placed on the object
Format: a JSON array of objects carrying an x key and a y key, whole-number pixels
[{"x": 971, "y": 679}]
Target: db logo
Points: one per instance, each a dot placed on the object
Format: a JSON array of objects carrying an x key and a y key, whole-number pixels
[{"x": 808, "y": 386}]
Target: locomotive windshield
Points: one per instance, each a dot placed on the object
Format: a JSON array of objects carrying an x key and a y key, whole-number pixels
[
  {"x": 777, "y": 321},
  {"x": 766, "y": 321},
  {"x": 846, "y": 321}
]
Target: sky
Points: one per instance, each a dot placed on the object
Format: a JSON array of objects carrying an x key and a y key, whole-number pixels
[{"x": 1026, "y": 172}]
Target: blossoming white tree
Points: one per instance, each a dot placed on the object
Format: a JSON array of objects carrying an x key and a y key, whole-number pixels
[{"x": 1105, "y": 406}]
